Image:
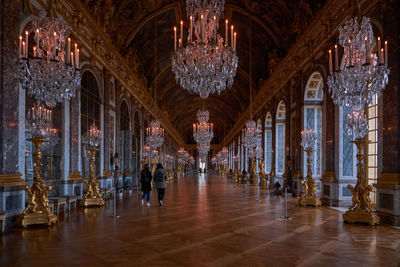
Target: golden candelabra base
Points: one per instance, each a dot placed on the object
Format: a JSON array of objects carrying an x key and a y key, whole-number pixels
[
  {"x": 361, "y": 209},
  {"x": 263, "y": 176},
  {"x": 263, "y": 182},
  {"x": 309, "y": 197},
  {"x": 92, "y": 196},
  {"x": 37, "y": 210}
]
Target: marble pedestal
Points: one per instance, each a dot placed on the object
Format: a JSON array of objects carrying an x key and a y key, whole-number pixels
[
  {"x": 388, "y": 198},
  {"x": 12, "y": 196}
]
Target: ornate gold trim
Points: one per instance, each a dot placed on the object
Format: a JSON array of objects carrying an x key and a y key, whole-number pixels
[
  {"x": 107, "y": 173},
  {"x": 74, "y": 176},
  {"x": 328, "y": 176},
  {"x": 7, "y": 180},
  {"x": 389, "y": 179}
]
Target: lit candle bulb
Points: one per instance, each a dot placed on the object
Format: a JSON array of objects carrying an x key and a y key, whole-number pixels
[
  {"x": 234, "y": 43},
  {"x": 202, "y": 28},
  {"x": 215, "y": 29},
  {"x": 226, "y": 32},
  {"x": 336, "y": 59},
  {"x": 174, "y": 38},
  {"x": 232, "y": 36},
  {"x": 23, "y": 49},
  {"x": 386, "y": 53},
  {"x": 20, "y": 47},
  {"x": 182, "y": 30},
  {"x": 69, "y": 51},
  {"x": 191, "y": 29},
  {"x": 54, "y": 49},
  {"x": 72, "y": 58},
  {"x": 330, "y": 61},
  {"x": 26, "y": 43},
  {"x": 382, "y": 56},
  {"x": 379, "y": 49},
  {"x": 34, "y": 52}
]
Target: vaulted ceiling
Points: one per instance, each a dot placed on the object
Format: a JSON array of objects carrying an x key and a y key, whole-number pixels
[{"x": 133, "y": 25}]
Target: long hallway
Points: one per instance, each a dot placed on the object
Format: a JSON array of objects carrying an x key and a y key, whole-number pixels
[{"x": 206, "y": 221}]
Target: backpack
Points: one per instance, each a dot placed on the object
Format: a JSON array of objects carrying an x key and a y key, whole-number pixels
[{"x": 159, "y": 176}]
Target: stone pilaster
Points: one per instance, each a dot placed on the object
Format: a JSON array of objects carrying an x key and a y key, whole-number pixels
[
  {"x": 388, "y": 187},
  {"x": 12, "y": 195}
]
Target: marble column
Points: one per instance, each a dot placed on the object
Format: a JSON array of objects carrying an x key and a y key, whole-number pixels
[
  {"x": 12, "y": 196},
  {"x": 106, "y": 132},
  {"x": 388, "y": 187}
]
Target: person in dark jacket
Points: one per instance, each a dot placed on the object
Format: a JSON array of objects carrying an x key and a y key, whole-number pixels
[
  {"x": 159, "y": 182},
  {"x": 145, "y": 180}
]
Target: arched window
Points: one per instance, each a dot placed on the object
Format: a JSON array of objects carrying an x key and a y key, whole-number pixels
[
  {"x": 90, "y": 112},
  {"x": 268, "y": 142},
  {"x": 280, "y": 138},
  {"x": 313, "y": 97}
]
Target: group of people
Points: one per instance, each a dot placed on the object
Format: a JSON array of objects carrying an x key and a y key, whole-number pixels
[{"x": 159, "y": 178}]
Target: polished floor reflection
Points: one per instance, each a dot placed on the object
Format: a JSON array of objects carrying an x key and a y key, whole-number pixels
[{"x": 206, "y": 221}]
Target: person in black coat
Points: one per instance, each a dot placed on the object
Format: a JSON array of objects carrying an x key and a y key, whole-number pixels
[{"x": 145, "y": 180}]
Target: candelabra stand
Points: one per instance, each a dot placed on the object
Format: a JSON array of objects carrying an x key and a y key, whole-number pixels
[
  {"x": 263, "y": 176},
  {"x": 361, "y": 209},
  {"x": 235, "y": 177},
  {"x": 254, "y": 170},
  {"x": 309, "y": 197},
  {"x": 37, "y": 210},
  {"x": 226, "y": 169},
  {"x": 92, "y": 196},
  {"x": 178, "y": 171}
]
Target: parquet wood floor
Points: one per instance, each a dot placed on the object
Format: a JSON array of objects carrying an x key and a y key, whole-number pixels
[{"x": 206, "y": 221}]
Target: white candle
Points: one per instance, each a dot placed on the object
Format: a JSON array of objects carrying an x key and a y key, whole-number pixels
[
  {"x": 26, "y": 43},
  {"x": 55, "y": 43},
  {"x": 234, "y": 43},
  {"x": 23, "y": 49},
  {"x": 232, "y": 36},
  {"x": 379, "y": 49},
  {"x": 69, "y": 51},
  {"x": 182, "y": 30},
  {"x": 174, "y": 38},
  {"x": 381, "y": 55},
  {"x": 180, "y": 42},
  {"x": 20, "y": 46},
  {"x": 34, "y": 52},
  {"x": 336, "y": 59},
  {"x": 76, "y": 47},
  {"x": 77, "y": 59},
  {"x": 72, "y": 58},
  {"x": 226, "y": 32},
  {"x": 330, "y": 61},
  {"x": 191, "y": 29},
  {"x": 215, "y": 29},
  {"x": 37, "y": 42},
  {"x": 202, "y": 28},
  {"x": 386, "y": 53}
]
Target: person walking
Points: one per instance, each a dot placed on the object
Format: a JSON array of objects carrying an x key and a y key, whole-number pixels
[
  {"x": 145, "y": 180},
  {"x": 159, "y": 182}
]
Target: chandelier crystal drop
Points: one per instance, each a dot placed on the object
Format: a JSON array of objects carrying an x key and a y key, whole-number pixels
[
  {"x": 155, "y": 134},
  {"x": 364, "y": 74},
  {"x": 51, "y": 73},
  {"x": 207, "y": 63}
]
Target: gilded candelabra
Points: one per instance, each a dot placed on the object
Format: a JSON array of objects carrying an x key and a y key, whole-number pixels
[
  {"x": 235, "y": 177},
  {"x": 254, "y": 171},
  {"x": 309, "y": 196},
  {"x": 92, "y": 196},
  {"x": 361, "y": 209},
  {"x": 37, "y": 210},
  {"x": 263, "y": 176}
]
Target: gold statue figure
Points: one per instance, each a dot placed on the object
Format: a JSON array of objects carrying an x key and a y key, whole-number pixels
[
  {"x": 37, "y": 210},
  {"x": 263, "y": 176},
  {"x": 309, "y": 196}
]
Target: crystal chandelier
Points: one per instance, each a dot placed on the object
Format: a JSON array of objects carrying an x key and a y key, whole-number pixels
[
  {"x": 207, "y": 64},
  {"x": 308, "y": 138},
  {"x": 364, "y": 74},
  {"x": 39, "y": 121},
  {"x": 203, "y": 130},
  {"x": 249, "y": 135},
  {"x": 155, "y": 134},
  {"x": 93, "y": 137},
  {"x": 51, "y": 73}
]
